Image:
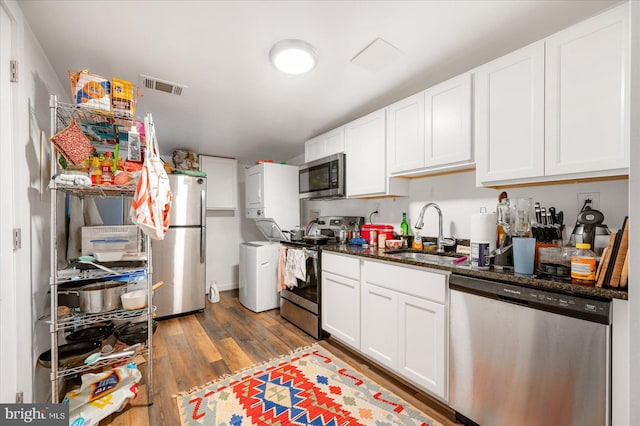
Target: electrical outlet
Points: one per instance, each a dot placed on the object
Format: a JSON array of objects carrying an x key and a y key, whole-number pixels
[
  {"x": 376, "y": 207},
  {"x": 314, "y": 213},
  {"x": 593, "y": 196}
]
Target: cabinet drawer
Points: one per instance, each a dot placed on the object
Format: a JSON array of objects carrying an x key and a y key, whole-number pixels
[
  {"x": 347, "y": 266},
  {"x": 420, "y": 283}
]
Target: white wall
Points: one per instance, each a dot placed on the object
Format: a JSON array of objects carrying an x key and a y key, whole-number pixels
[
  {"x": 226, "y": 230},
  {"x": 458, "y": 198}
]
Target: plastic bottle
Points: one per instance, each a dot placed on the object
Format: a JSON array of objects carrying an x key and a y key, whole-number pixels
[
  {"x": 404, "y": 226},
  {"x": 107, "y": 165},
  {"x": 96, "y": 172},
  {"x": 417, "y": 241},
  {"x": 133, "y": 147},
  {"x": 583, "y": 265}
]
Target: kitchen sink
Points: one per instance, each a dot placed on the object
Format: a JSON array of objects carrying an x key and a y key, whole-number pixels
[{"x": 420, "y": 256}]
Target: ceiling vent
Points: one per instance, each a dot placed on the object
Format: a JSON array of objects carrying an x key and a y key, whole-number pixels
[{"x": 153, "y": 83}]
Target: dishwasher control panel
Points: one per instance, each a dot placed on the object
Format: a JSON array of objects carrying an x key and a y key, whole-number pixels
[{"x": 577, "y": 306}]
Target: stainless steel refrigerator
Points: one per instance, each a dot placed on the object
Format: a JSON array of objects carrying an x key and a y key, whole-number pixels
[{"x": 179, "y": 259}]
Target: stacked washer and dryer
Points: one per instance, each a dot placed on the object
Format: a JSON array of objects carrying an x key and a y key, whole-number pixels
[{"x": 271, "y": 196}]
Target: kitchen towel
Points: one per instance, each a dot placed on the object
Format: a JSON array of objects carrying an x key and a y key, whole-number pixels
[{"x": 483, "y": 228}]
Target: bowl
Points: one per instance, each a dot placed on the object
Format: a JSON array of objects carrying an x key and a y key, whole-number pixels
[
  {"x": 393, "y": 244},
  {"x": 109, "y": 256},
  {"x": 134, "y": 300}
]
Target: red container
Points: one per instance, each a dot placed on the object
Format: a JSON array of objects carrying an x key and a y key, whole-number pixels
[{"x": 379, "y": 228}]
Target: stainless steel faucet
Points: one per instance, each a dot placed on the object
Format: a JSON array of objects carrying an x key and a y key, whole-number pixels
[{"x": 442, "y": 241}]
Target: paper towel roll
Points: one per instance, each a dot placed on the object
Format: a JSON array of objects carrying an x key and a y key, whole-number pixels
[{"x": 483, "y": 228}]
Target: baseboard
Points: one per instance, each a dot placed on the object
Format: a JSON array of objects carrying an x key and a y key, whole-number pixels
[{"x": 227, "y": 287}]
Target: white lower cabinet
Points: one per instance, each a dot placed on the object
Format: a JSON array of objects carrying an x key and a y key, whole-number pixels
[
  {"x": 404, "y": 323},
  {"x": 422, "y": 343},
  {"x": 380, "y": 325},
  {"x": 340, "y": 298},
  {"x": 341, "y": 308},
  {"x": 394, "y": 314}
]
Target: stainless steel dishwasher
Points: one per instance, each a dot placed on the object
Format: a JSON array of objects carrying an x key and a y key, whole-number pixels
[{"x": 523, "y": 356}]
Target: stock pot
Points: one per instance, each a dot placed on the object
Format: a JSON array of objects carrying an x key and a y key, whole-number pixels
[{"x": 99, "y": 297}]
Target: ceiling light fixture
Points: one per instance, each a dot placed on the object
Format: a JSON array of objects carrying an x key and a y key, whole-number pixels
[{"x": 293, "y": 56}]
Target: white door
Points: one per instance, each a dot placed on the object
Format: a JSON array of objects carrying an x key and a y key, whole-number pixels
[
  {"x": 509, "y": 108},
  {"x": 380, "y": 325},
  {"x": 448, "y": 122},
  {"x": 587, "y": 96},
  {"x": 341, "y": 308},
  {"x": 406, "y": 134},
  {"x": 9, "y": 343},
  {"x": 423, "y": 344},
  {"x": 254, "y": 187},
  {"x": 365, "y": 143}
]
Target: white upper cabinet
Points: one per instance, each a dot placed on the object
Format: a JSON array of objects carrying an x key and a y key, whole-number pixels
[
  {"x": 431, "y": 130},
  {"x": 509, "y": 108},
  {"x": 557, "y": 109},
  {"x": 365, "y": 143},
  {"x": 587, "y": 96},
  {"x": 406, "y": 134},
  {"x": 329, "y": 143},
  {"x": 222, "y": 182},
  {"x": 447, "y": 110}
]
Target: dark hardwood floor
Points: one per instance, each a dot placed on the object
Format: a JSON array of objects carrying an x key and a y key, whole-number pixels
[{"x": 192, "y": 350}]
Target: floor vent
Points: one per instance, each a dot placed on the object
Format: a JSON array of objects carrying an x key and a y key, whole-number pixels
[{"x": 154, "y": 83}]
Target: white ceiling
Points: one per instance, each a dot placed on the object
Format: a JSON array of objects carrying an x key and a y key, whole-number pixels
[{"x": 237, "y": 104}]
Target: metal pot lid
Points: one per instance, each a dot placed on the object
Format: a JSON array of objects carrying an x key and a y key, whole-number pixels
[{"x": 590, "y": 217}]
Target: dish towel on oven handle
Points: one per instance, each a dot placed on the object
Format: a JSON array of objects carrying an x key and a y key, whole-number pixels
[
  {"x": 295, "y": 267},
  {"x": 151, "y": 204}
]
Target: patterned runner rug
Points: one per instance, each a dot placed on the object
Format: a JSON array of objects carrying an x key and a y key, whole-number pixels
[{"x": 308, "y": 387}]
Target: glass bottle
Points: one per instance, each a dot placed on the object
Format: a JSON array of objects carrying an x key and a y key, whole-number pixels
[{"x": 404, "y": 226}]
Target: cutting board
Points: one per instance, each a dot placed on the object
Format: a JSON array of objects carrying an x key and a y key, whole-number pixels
[
  {"x": 624, "y": 278},
  {"x": 620, "y": 255},
  {"x": 605, "y": 259}
]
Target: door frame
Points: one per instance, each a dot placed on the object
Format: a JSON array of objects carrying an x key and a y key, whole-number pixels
[{"x": 8, "y": 287}]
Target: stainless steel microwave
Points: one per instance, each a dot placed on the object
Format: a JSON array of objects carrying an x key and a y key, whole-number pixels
[{"x": 323, "y": 178}]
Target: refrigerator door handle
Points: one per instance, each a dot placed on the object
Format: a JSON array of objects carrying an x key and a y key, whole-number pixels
[{"x": 203, "y": 227}]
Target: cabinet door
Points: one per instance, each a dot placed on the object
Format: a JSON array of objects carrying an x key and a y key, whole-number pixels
[
  {"x": 365, "y": 143},
  {"x": 587, "y": 95},
  {"x": 341, "y": 308},
  {"x": 254, "y": 195},
  {"x": 509, "y": 107},
  {"x": 334, "y": 141},
  {"x": 222, "y": 182},
  {"x": 406, "y": 134},
  {"x": 380, "y": 325},
  {"x": 448, "y": 122},
  {"x": 423, "y": 344},
  {"x": 313, "y": 149}
]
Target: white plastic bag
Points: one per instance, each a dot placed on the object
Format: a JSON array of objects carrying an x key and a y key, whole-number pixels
[
  {"x": 102, "y": 394},
  {"x": 151, "y": 205}
]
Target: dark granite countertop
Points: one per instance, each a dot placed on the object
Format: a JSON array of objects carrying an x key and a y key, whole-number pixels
[{"x": 505, "y": 276}]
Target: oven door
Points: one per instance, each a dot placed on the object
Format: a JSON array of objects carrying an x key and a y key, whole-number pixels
[{"x": 306, "y": 294}]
